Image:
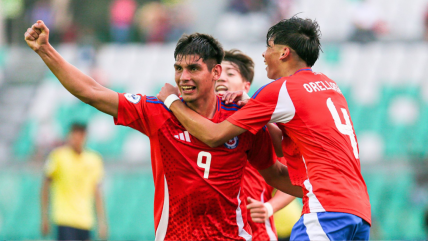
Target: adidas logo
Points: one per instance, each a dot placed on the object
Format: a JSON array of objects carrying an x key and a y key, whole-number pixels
[{"x": 183, "y": 136}]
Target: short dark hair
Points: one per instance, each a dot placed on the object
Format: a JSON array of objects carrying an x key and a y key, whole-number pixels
[
  {"x": 244, "y": 63},
  {"x": 203, "y": 45},
  {"x": 302, "y": 35},
  {"x": 77, "y": 126}
]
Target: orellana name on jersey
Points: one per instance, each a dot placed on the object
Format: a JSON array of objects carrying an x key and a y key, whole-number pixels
[
  {"x": 321, "y": 86},
  {"x": 232, "y": 143},
  {"x": 132, "y": 98}
]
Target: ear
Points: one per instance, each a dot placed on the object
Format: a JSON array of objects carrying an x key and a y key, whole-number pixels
[
  {"x": 247, "y": 86},
  {"x": 217, "y": 72},
  {"x": 285, "y": 52}
]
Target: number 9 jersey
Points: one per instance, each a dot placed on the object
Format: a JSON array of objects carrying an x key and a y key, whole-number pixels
[
  {"x": 198, "y": 192},
  {"x": 319, "y": 140}
]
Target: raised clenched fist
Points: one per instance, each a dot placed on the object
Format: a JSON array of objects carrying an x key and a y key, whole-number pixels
[{"x": 37, "y": 36}]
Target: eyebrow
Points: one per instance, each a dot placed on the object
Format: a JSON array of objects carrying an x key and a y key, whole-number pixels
[
  {"x": 231, "y": 67},
  {"x": 197, "y": 65}
]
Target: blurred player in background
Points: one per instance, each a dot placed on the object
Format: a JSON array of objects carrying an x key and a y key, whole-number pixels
[
  {"x": 197, "y": 188},
  {"x": 237, "y": 74},
  {"x": 73, "y": 177},
  {"x": 319, "y": 141}
]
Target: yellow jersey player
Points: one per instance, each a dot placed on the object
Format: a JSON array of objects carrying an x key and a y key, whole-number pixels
[{"x": 73, "y": 176}]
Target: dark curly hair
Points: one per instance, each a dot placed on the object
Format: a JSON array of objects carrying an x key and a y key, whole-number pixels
[
  {"x": 302, "y": 35},
  {"x": 203, "y": 45}
]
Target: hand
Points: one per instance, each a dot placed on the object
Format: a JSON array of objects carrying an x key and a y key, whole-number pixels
[
  {"x": 167, "y": 90},
  {"x": 240, "y": 97},
  {"x": 45, "y": 228},
  {"x": 102, "y": 231},
  {"x": 37, "y": 36},
  {"x": 258, "y": 211}
]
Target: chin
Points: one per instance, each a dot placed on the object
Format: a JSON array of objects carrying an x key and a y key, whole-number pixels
[
  {"x": 272, "y": 76},
  {"x": 188, "y": 98}
]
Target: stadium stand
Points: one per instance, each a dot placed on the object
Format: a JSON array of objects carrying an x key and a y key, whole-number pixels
[
  {"x": 387, "y": 106},
  {"x": 383, "y": 81}
]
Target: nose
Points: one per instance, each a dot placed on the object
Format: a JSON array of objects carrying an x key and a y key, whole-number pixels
[
  {"x": 223, "y": 77},
  {"x": 263, "y": 54},
  {"x": 185, "y": 75}
]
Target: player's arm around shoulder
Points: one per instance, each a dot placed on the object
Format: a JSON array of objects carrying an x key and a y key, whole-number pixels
[
  {"x": 210, "y": 133},
  {"x": 77, "y": 83}
]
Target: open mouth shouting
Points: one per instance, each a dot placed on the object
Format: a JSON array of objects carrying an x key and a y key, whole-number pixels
[
  {"x": 220, "y": 88},
  {"x": 187, "y": 89}
]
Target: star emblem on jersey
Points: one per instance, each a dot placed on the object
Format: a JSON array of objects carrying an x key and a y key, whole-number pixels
[
  {"x": 184, "y": 136},
  {"x": 232, "y": 143},
  {"x": 132, "y": 98}
]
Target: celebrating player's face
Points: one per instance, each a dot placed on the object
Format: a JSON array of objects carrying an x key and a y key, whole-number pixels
[
  {"x": 272, "y": 55},
  {"x": 193, "y": 77},
  {"x": 230, "y": 79}
]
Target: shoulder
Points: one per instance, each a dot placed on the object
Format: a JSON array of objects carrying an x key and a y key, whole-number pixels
[
  {"x": 145, "y": 100},
  {"x": 94, "y": 158},
  {"x": 155, "y": 102},
  {"x": 227, "y": 109},
  {"x": 93, "y": 155},
  {"x": 270, "y": 88},
  {"x": 59, "y": 151}
]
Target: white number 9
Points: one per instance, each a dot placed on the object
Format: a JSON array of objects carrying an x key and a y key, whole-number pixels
[{"x": 207, "y": 163}]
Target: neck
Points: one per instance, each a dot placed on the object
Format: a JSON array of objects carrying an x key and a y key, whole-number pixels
[
  {"x": 289, "y": 68},
  {"x": 204, "y": 106},
  {"x": 78, "y": 150}
]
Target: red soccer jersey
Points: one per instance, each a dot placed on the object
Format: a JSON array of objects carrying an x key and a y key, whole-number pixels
[
  {"x": 197, "y": 188},
  {"x": 321, "y": 150},
  {"x": 254, "y": 186}
]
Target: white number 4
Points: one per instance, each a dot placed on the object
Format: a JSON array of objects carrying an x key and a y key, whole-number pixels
[
  {"x": 207, "y": 163},
  {"x": 346, "y": 128}
]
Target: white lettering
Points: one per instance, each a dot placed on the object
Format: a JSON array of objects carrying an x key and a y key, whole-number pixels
[
  {"x": 321, "y": 86},
  {"x": 314, "y": 86},
  {"x": 326, "y": 85},
  {"x": 318, "y": 84},
  {"x": 308, "y": 88}
]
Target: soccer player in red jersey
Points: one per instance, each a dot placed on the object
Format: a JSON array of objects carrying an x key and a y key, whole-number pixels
[
  {"x": 321, "y": 147},
  {"x": 237, "y": 74},
  {"x": 197, "y": 188}
]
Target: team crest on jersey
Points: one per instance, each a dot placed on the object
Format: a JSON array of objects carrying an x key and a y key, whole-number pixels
[
  {"x": 132, "y": 98},
  {"x": 232, "y": 143}
]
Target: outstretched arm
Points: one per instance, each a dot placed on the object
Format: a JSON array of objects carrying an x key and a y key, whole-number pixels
[
  {"x": 210, "y": 133},
  {"x": 80, "y": 85},
  {"x": 277, "y": 176}
]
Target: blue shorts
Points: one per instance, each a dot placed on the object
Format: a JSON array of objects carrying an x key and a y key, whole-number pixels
[
  {"x": 70, "y": 233},
  {"x": 330, "y": 226}
]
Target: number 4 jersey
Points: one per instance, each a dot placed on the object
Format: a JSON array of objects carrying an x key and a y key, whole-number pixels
[
  {"x": 319, "y": 142},
  {"x": 198, "y": 192}
]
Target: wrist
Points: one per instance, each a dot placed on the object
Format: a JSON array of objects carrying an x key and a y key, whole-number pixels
[
  {"x": 269, "y": 208},
  {"x": 245, "y": 96},
  {"x": 44, "y": 49},
  {"x": 170, "y": 99}
]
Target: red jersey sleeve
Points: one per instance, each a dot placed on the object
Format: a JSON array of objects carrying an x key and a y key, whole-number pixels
[
  {"x": 262, "y": 154},
  {"x": 132, "y": 112},
  {"x": 270, "y": 104}
]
